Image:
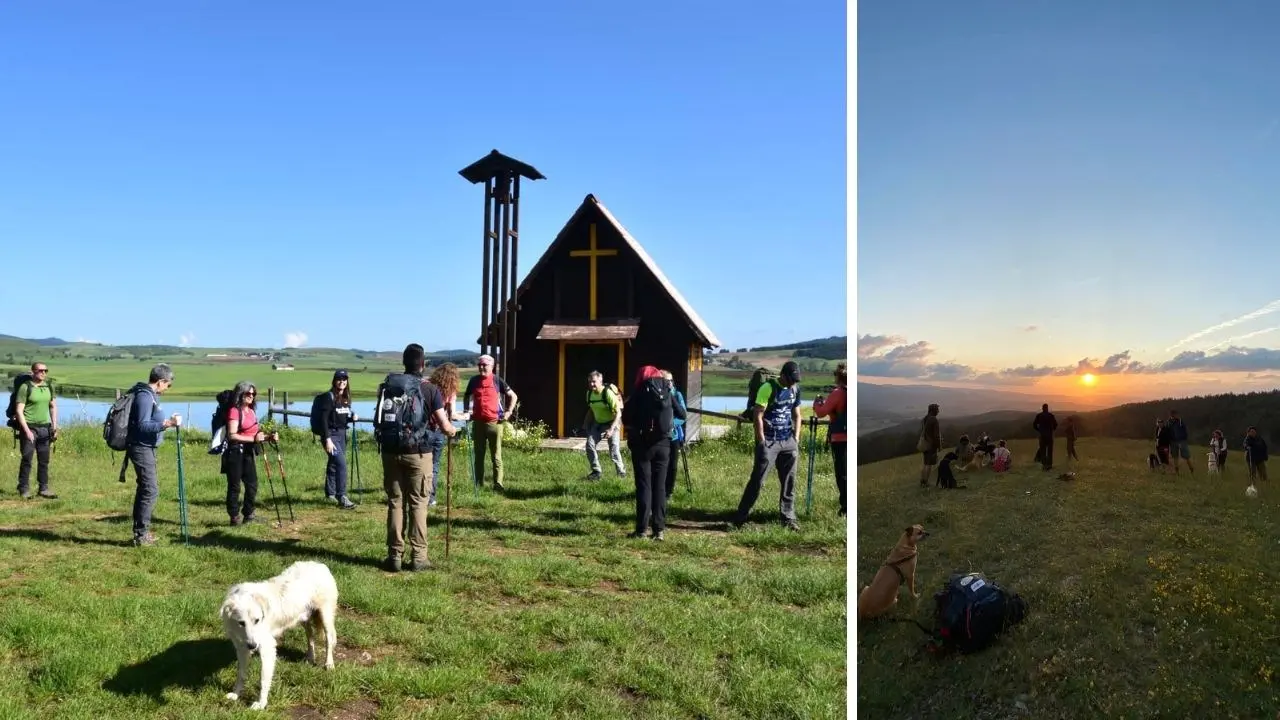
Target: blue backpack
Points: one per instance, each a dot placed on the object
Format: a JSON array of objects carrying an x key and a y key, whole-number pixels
[{"x": 400, "y": 419}]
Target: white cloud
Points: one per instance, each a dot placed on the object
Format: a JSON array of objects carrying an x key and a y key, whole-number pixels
[
  {"x": 186, "y": 339},
  {"x": 1267, "y": 309},
  {"x": 81, "y": 339},
  {"x": 295, "y": 339}
]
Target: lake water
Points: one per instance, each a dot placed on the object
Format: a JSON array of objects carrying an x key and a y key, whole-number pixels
[{"x": 200, "y": 412}]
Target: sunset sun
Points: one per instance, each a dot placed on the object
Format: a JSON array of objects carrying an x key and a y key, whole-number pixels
[{"x": 1088, "y": 379}]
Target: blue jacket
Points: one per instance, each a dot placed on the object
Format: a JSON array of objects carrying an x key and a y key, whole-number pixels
[
  {"x": 146, "y": 420},
  {"x": 677, "y": 423}
]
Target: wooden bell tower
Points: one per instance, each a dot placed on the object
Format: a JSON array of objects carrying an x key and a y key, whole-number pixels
[{"x": 501, "y": 177}]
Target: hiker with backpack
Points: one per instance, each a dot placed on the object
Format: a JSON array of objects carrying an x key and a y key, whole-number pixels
[
  {"x": 776, "y": 418},
  {"x": 34, "y": 419},
  {"x": 486, "y": 391},
  {"x": 677, "y": 432},
  {"x": 446, "y": 379},
  {"x": 145, "y": 426},
  {"x": 602, "y": 420},
  {"x": 405, "y": 402},
  {"x": 836, "y": 406},
  {"x": 331, "y": 416},
  {"x": 239, "y": 460},
  {"x": 648, "y": 415}
]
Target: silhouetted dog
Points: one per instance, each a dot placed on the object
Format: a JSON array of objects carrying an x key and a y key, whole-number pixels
[{"x": 946, "y": 478}]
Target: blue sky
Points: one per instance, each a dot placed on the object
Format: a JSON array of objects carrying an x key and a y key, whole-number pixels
[
  {"x": 1044, "y": 183},
  {"x": 187, "y": 157}
]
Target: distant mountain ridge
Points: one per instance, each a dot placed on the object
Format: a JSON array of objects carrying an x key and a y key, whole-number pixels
[
  {"x": 42, "y": 342},
  {"x": 1232, "y": 413}
]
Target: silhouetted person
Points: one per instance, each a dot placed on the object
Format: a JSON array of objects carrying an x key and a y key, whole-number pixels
[
  {"x": 1044, "y": 425},
  {"x": 1070, "y": 431},
  {"x": 929, "y": 444}
]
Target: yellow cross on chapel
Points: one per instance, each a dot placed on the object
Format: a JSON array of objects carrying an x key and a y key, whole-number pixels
[{"x": 592, "y": 253}]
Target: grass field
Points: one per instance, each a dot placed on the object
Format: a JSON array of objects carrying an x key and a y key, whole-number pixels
[
  {"x": 1150, "y": 595},
  {"x": 543, "y": 610}
]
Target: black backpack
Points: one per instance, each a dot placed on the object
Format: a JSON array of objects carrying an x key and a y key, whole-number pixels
[
  {"x": 318, "y": 425},
  {"x": 400, "y": 418},
  {"x": 11, "y": 413},
  {"x": 971, "y": 611},
  {"x": 648, "y": 412},
  {"x": 218, "y": 423}
]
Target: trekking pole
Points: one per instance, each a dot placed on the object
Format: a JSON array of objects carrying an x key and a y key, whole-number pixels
[
  {"x": 684, "y": 456},
  {"x": 448, "y": 495},
  {"x": 275, "y": 502},
  {"x": 182, "y": 491},
  {"x": 813, "y": 446},
  {"x": 285, "y": 483},
  {"x": 355, "y": 460}
]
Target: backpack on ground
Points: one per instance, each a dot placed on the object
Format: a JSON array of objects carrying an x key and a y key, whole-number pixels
[
  {"x": 400, "y": 419},
  {"x": 11, "y": 413},
  {"x": 319, "y": 427},
  {"x": 971, "y": 611},
  {"x": 649, "y": 412},
  {"x": 218, "y": 423},
  {"x": 115, "y": 429},
  {"x": 758, "y": 380}
]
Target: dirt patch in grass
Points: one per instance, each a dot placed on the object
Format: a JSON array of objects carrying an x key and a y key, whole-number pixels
[
  {"x": 363, "y": 656},
  {"x": 355, "y": 710}
]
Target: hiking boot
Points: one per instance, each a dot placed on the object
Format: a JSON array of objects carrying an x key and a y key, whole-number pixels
[
  {"x": 249, "y": 519},
  {"x": 637, "y": 535},
  {"x": 345, "y": 503},
  {"x": 432, "y": 502},
  {"x": 594, "y": 476},
  {"x": 235, "y": 520},
  {"x": 144, "y": 540},
  {"x": 622, "y": 473},
  {"x": 499, "y": 486},
  {"x": 392, "y": 563},
  {"x": 420, "y": 564},
  {"x": 791, "y": 525},
  {"x": 47, "y": 495},
  {"x": 657, "y": 537},
  {"x": 329, "y": 498}
]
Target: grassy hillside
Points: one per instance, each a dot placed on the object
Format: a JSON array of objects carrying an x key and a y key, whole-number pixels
[
  {"x": 1232, "y": 413},
  {"x": 1150, "y": 596},
  {"x": 543, "y": 609}
]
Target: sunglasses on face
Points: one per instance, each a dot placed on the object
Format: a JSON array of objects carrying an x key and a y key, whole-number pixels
[{"x": 40, "y": 370}]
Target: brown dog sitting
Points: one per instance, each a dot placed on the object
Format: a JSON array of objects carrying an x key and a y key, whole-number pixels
[{"x": 898, "y": 569}]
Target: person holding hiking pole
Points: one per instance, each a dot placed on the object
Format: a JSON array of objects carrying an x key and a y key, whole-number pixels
[
  {"x": 775, "y": 412},
  {"x": 836, "y": 406},
  {"x": 332, "y": 414},
  {"x": 445, "y": 379},
  {"x": 677, "y": 433},
  {"x": 147, "y": 424},
  {"x": 238, "y": 461},
  {"x": 405, "y": 401},
  {"x": 35, "y": 421}
]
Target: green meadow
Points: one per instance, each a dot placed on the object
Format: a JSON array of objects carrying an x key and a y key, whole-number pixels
[
  {"x": 543, "y": 608},
  {"x": 1150, "y": 595}
]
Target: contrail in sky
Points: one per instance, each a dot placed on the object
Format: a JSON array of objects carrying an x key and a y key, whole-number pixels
[
  {"x": 1246, "y": 336},
  {"x": 1267, "y": 309}
]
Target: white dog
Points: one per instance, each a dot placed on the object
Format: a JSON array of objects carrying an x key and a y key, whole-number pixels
[{"x": 256, "y": 614}]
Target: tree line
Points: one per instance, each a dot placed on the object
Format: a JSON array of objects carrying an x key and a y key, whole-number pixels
[{"x": 1232, "y": 413}]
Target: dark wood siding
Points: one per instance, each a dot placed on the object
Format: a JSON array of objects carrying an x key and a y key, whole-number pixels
[{"x": 625, "y": 289}]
